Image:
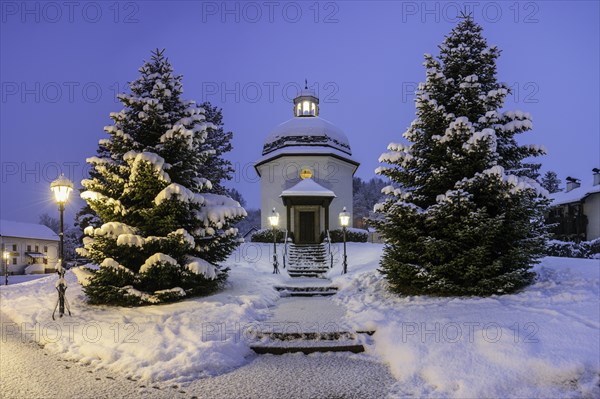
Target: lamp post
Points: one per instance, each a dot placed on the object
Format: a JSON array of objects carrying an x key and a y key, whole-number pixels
[
  {"x": 61, "y": 188},
  {"x": 344, "y": 221},
  {"x": 274, "y": 221},
  {"x": 5, "y": 256}
]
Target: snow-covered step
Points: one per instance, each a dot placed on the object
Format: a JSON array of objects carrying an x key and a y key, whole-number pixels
[
  {"x": 307, "y": 347},
  {"x": 308, "y": 261},
  {"x": 273, "y": 336},
  {"x": 307, "y": 273},
  {"x": 306, "y": 290}
]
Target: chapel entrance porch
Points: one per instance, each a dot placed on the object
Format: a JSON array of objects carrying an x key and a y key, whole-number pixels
[{"x": 307, "y": 211}]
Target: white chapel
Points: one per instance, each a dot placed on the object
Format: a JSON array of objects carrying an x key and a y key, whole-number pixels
[{"x": 306, "y": 172}]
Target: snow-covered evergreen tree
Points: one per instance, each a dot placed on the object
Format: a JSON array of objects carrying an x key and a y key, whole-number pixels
[
  {"x": 216, "y": 168},
  {"x": 551, "y": 182},
  {"x": 159, "y": 233},
  {"x": 462, "y": 217}
]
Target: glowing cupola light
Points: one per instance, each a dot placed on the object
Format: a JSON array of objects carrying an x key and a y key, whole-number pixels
[{"x": 307, "y": 103}]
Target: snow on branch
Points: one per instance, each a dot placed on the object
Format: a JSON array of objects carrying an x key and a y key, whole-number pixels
[
  {"x": 202, "y": 267},
  {"x": 131, "y": 240},
  {"x": 179, "y": 131},
  {"x": 518, "y": 183},
  {"x": 93, "y": 196},
  {"x": 113, "y": 229},
  {"x": 157, "y": 258},
  {"x": 218, "y": 209},
  {"x": 110, "y": 262},
  {"x": 113, "y": 130},
  {"x": 488, "y": 135},
  {"x": 157, "y": 162},
  {"x": 182, "y": 193},
  {"x": 185, "y": 236}
]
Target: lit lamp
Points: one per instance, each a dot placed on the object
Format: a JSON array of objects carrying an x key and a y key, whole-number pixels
[
  {"x": 274, "y": 221},
  {"x": 61, "y": 188},
  {"x": 6, "y": 255},
  {"x": 344, "y": 221}
]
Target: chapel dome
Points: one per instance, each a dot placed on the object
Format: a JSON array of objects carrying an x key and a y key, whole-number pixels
[{"x": 306, "y": 129}]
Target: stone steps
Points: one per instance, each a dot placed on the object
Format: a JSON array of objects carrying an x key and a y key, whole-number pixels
[
  {"x": 306, "y": 291},
  {"x": 306, "y": 273},
  {"x": 307, "y": 349},
  {"x": 279, "y": 343},
  {"x": 298, "y": 329},
  {"x": 307, "y": 261}
]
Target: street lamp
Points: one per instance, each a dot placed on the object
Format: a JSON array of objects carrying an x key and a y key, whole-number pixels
[
  {"x": 274, "y": 221},
  {"x": 344, "y": 221},
  {"x": 61, "y": 188},
  {"x": 5, "y": 256}
]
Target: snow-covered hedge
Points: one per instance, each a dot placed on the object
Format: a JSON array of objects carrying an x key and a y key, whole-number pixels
[
  {"x": 266, "y": 235},
  {"x": 567, "y": 249},
  {"x": 352, "y": 235}
]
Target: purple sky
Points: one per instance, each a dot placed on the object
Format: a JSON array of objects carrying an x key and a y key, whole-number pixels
[{"x": 61, "y": 64}]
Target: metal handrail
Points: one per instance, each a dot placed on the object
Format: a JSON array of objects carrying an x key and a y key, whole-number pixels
[
  {"x": 285, "y": 250},
  {"x": 329, "y": 249}
]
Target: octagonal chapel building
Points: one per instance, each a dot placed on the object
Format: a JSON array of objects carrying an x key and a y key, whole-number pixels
[{"x": 306, "y": 172}]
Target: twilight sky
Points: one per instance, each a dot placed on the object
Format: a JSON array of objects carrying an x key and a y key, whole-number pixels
[{"x": 61, "y": 64}]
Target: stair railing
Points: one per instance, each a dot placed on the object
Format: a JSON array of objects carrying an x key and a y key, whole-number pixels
[
  {"x": 285, "y": 248},
  {"x": 329, "y": 249}
]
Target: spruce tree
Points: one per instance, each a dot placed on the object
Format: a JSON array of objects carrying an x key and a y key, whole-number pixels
[
  {"x": 551, "y": 182},
  {"x": 462, "y": 216},
  {"x": 160, "y": 232},
  {"x": 216, "y": 168}
]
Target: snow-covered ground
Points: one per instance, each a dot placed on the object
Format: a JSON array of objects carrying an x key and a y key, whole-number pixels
[
  {"x": 542, "y": 342},
  {"x": 21, "y": 278},
  {"x": 178, "y": 342}
]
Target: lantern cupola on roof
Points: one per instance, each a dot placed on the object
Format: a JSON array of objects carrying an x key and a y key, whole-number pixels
[{"x": 306, "y": 103}]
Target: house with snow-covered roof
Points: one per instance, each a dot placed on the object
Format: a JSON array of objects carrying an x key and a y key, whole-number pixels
[
  {"x": 576, "y": 211},
  {"x": 31, "y": 247},
  {"x": 306, "y": 171}
]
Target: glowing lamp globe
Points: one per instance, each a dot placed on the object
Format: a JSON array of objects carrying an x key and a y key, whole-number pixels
[
  {"x": 274, "y": 218},
  {"x": 61, "y": 188},
  {"x": 344, "y": 218}
]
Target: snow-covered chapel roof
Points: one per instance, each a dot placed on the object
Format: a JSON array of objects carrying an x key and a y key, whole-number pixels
[
  {"x": 306, "y": 132},
  {"x": 307, "y": 188},
  {"x": 26, "y": 230}
]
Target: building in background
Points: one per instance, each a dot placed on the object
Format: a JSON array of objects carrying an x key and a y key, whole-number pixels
[
  {"x": 306, "y": 172},
  {"x": 576, "y": 211},
  {"x": 31, "y": 248}
]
